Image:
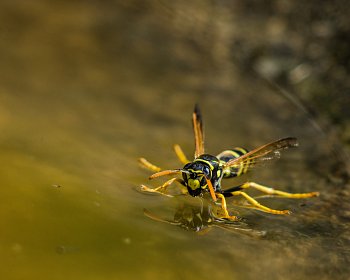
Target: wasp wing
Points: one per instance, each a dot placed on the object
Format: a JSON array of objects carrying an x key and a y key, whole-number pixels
[
  {"x": 198, "y": 132},
  {"x": 262, "y": 154}
]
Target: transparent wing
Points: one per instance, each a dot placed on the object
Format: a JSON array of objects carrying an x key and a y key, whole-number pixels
[
  {"x": 198, "y": 132},
  {"x": 263, "y": 154}
]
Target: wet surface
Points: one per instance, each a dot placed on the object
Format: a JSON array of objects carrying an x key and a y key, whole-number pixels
[{"x": 87, "y": 88}]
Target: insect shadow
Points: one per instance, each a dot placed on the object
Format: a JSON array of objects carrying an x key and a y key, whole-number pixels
[{"x": 201, "y": 215}]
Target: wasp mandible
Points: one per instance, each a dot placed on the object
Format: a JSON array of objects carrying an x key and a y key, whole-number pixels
[{"x": 205, "y": 173}]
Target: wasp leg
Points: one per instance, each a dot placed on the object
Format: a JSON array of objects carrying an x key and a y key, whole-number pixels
[
  {"x": 272, "y": 191},
  {"x": 162, "y": 189},
  {"x": 146, "y": 164},
  {"x": 224, "y": 208},
  {"x": 259, "y": 206},
  {"x": 180, "y": 154}
]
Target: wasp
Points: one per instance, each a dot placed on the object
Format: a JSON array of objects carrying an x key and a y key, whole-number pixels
[{"x": 205, "y": 173}]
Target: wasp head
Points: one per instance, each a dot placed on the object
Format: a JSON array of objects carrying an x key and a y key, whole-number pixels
[{"x": 196, "y": 173}]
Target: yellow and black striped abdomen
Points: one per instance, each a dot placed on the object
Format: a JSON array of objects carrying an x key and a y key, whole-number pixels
[{"x": 234, "y": 171}]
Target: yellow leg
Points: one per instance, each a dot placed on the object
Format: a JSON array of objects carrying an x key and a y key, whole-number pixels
[
  {"x": 258, "y": 206},
  {"x": 272, "y": 191},
  {"x": 224, "y": 208},
  {"x": 146, "y": 164},
  {"x": 161, "y": 189},
  {"x": 180, "y": 154}
]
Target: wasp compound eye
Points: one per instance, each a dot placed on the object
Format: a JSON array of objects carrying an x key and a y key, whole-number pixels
[{"x": 206, "y": 171}]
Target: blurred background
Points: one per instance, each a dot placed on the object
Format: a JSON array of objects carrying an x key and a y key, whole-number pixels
[{"x": 87, "y": 87}]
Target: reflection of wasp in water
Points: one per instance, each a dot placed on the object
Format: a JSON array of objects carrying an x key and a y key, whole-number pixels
[
  {"x": 201, "y": 217},
  {"x": 205, "y": 172}
]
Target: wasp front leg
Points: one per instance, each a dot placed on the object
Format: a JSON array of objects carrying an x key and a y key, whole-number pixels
[
  {"x": 225, "y": 214},
  {"x": 154, "y": 168},
  {"x": 163, "y": 188},
  {"x": 147, "y": 165},
  {"x": 180, "y": 154}
]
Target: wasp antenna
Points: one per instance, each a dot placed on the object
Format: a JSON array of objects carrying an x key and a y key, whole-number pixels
[
  {"x": 164, "y": 173},
  {"x": 185, "y": 171}
]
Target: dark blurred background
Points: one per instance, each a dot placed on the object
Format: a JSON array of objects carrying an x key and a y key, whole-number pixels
[{"x": 302, "y": 47}]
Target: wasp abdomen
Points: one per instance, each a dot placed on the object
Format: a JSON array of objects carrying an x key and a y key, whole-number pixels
[{"x": 235, "y": 170}]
